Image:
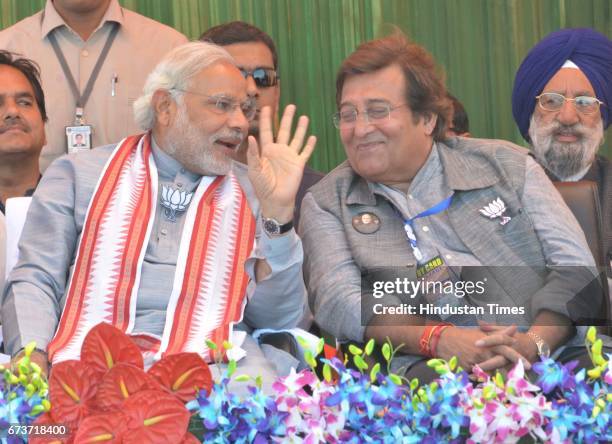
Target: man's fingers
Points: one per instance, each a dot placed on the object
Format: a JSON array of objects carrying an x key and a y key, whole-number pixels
[
  {"x": 486, "y": 327},
  {"x": 512, "y": 355},
  {"x": 494, "y": 340},
  {"x": 284, "y": 132},
  {"x": 265, "y": 126},
  {"x": 493, "y": 363},
  {"x": 309, "y": 148},
  {"x": 253, "y": 159},
  {"x": 300, "y": 132}
]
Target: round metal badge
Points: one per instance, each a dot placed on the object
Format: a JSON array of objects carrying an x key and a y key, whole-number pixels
[{"x": 366, "y": 223}]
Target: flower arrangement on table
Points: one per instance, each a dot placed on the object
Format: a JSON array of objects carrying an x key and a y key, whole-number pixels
[{"x": 107, "y": 397}]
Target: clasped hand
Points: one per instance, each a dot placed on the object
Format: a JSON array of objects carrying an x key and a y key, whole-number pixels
[{"x": 490, "y": 347}]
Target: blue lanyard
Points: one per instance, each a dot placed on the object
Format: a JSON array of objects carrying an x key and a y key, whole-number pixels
[{"x": 409, "y": 225}]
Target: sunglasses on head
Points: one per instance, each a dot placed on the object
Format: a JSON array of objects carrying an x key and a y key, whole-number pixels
[{"x": 263, "y": 77}]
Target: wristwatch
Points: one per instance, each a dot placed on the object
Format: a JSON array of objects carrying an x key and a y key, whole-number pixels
[
  {"x": 543, "y": 348},
  {"x": 273, "y": 228}
]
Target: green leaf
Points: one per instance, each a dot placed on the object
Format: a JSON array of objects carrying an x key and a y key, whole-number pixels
[
  {"x": 441, "y": 369},
  {"x": 594, "y": 373},
  {"x": 599, "y": 360},
  {"x": 433, "y": 363},
  {"x": 303, "y": 342},
  {"x": 452, "y": 364},
  {"x": 354, "y": 350},
  {"x": 395, "y": 379},
  {"x": 29, "y": 348},
  {"x": 37, "y": 409},
  {"x": 360, "y": 363},
  {"x": 597, "y": 346},
  {"x": 310, "y": 360},
  {"x": 375, "y": 371},
  {"x": 30, "y": 389},
  {"x": 231, "y": 368},
  {"x": 327, "y": 373},
  {"x": 259, "y": 382},
  {"x": 369, "y": 348},
  {"x": 320, "y": 346},
  {"x": 499, "y": 380},
  {"x": 242, "y": 378},
  {"x": 35, "y": 368},
  {"x": 591, "y": 334},
  {"x": 211, "y": 345},
  {"x": 414, "y": 384},
  {"x": 386, "y": 351}
]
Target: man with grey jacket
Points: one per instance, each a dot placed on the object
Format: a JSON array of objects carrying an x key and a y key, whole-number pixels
[{"x": 457, "y": 247}]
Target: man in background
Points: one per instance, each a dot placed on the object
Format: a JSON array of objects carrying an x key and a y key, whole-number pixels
[
  {"x": 255, "y": 54},
  {"x": 460, "y": 126},
  {"x": 561, "y": 103},
  {"x": 107, "y": 50},
  {"x": 22, "y": 134}
]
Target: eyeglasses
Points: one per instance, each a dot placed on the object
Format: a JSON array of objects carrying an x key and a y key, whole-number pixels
[
  {"x": 263, "y": 77},
  {"x": 226, "y": 105},
  {"x": 554, "y": 102},
  {"x": 346, "y": 119}
]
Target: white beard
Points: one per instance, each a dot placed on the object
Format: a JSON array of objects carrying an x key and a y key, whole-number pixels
[
  {"x": 565, "y": 160},
  {"x": 194, "y": 150}
]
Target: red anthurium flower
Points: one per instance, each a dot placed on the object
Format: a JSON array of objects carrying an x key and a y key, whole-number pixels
[
  {"x": 72, "y": 387},
  {"x": 121, "y": 382},
  {"x": 46, "y": 419},
  {"x": 154, "y": 417},
  {"x": 183, "y": 374},
  {"x": 190, "y": 439},
  {"x": 104, "y": 346},
  {"x": 107, "y": 428}
]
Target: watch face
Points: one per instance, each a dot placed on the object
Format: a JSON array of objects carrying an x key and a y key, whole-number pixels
[{"x": 271, "y": 226}]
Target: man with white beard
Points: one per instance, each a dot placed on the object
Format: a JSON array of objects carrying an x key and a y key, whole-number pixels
[
  {"x": 163, "y": 235},
  {"x": 561, "y": 103}
]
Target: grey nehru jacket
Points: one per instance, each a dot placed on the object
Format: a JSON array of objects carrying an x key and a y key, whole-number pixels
[
  {"x": 542, "y": 231},
  {"x": 35, "y": 290}
]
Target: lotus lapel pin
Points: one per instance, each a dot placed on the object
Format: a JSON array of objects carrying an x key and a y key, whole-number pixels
[
  {"x": 496, "y": 209},
  {"x": 174, "y": 201}
]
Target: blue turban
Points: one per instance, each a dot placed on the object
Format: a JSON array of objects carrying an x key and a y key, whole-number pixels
[{"x": 588, "y": 49}]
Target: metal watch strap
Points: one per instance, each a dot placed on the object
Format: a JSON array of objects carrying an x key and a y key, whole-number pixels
[{"x": 539, "y": 342}]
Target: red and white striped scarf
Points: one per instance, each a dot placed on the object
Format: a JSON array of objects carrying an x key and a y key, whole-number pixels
[{"x": 210, "y": 281}]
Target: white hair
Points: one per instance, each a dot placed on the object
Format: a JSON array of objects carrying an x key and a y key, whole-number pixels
[{"x": 174, "y": 74}]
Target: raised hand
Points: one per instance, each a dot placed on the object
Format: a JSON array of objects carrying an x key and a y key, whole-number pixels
[{"x": 276, "y": 168}]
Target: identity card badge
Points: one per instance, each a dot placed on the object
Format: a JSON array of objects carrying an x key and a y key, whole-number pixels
[
  {"x": 435, "y": 275},
  {"x": 78, "y": 138}
]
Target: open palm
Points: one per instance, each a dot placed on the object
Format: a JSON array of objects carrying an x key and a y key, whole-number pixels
[{"x": 276, "y": 168}]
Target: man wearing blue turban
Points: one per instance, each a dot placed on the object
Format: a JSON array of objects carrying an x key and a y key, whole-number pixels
[{"x": 569, "y": 65}]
